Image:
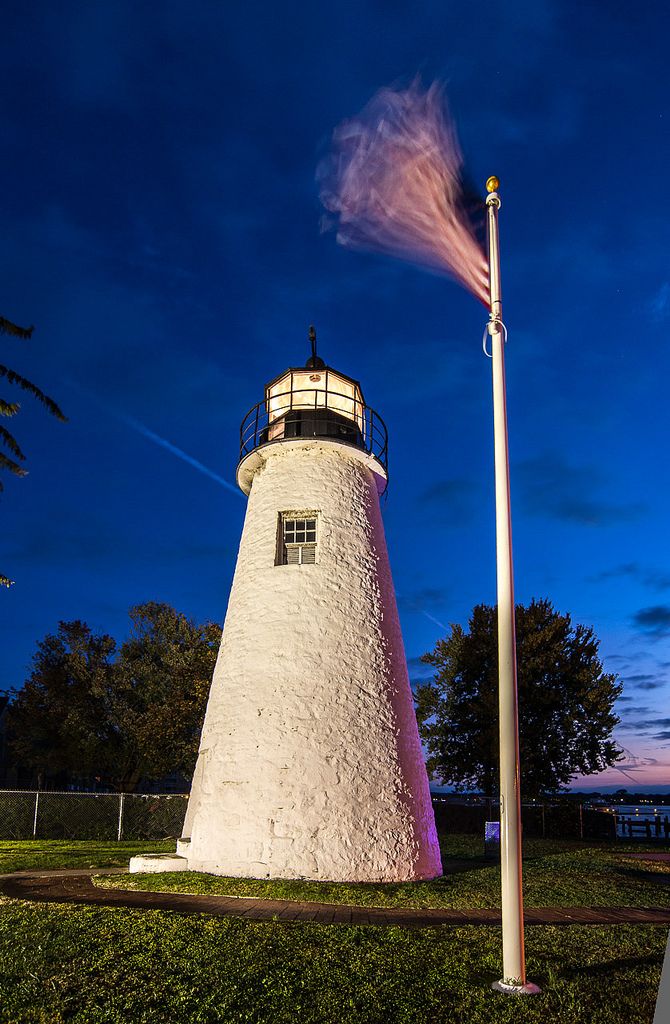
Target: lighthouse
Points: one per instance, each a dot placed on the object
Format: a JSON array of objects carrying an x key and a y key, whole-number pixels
[{"x": 310, "y": 763}]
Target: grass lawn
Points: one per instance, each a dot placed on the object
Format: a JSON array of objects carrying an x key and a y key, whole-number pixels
[
  {"x": 64, "y": 963},
  {"x": 30, "y": 854},
  {"x": 556, "y": 873},
  {"x": 97, "y": 966}
]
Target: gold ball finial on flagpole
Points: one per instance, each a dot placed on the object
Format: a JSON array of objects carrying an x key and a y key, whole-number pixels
[{"x": 492, "y": 184}]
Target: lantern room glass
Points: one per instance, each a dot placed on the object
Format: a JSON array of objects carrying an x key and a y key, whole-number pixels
[{"x": 312, "y": 389}]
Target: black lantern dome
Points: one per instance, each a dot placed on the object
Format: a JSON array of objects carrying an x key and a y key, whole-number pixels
[{"x": 314, "y": 362}]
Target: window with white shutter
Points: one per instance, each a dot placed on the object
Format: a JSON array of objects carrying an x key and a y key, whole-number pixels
[{"x": 297, "y": 539}]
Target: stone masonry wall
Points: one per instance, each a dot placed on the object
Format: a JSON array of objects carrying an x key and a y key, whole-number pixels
[{"x": 310, "y": 762}]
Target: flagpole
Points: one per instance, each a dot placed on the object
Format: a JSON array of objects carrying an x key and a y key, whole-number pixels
[{"x": 513, "y": 980}]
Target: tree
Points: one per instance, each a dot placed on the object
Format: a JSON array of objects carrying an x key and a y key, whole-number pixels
[
  {"x": 161, "y": 685},
  {"x": 8, "y": 409},
  {"x": 565, "y": 703},
  {"x": 60, "y": 720},
  {"x": 89, "y": 709}
]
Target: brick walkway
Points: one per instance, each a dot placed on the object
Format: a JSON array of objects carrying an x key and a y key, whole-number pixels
[
  {"x": 663, "y": 858},
  {"x": 75, "y": 886}
]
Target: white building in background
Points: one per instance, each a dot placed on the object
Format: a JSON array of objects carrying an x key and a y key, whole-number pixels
[{"x": 310, "y": 764}]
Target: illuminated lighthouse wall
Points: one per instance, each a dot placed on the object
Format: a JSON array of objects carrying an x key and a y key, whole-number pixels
[{"x": 310, "y": 763}]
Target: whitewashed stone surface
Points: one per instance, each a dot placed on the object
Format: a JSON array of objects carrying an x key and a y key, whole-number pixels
[
  {"x": 310, "y": 763},
  {"x": 151, "y": 863}
]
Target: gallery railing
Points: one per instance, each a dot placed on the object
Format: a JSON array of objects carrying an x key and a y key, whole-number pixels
[{"x": 311, "y": 413}]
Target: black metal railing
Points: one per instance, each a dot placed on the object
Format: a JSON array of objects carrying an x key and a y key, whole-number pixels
[{"x": 310, "y": 413}]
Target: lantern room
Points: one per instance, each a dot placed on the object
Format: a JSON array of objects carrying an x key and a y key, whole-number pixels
[{"x": 313, "y": 402}]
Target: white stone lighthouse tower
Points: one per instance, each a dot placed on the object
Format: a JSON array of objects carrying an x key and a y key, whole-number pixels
[{"x": 310, "y": 764}]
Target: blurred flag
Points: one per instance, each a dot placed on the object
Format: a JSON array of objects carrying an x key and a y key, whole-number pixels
[{"x": 394, "y": 181}]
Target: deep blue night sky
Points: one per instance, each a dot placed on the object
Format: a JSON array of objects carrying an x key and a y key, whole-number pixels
[{"x": 161, "y": 230}]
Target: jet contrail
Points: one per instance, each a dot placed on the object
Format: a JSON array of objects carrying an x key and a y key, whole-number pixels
[
  {"x": 433, "y": 619},
  {"x": 151, "y": 435},
  {"x": 412, "y": 605},
  {"x": 179, "y": 452}
]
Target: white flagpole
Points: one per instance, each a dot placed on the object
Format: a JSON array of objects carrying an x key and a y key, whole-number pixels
[{"x": 513, "y": 980}]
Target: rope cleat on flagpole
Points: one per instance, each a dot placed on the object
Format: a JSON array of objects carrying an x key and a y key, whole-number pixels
[{"x": 492, "y": 327}]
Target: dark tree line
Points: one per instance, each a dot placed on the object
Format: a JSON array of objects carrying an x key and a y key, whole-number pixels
[{"x": 92, "y": 709}]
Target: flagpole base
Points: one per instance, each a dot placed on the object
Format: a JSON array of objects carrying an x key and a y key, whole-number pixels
[{"x": 508, "y": 988}]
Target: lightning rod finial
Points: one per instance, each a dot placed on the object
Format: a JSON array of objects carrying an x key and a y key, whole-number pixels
[{"x": 314, "y": 362}]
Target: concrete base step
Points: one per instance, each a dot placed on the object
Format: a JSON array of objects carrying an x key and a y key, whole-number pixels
[{"x": 149, "y": 863}]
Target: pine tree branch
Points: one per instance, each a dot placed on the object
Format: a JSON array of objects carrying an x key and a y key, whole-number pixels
[
  {"x": 11, "y": 443},
  {"x": 23, "y": 382},
  {"x": 7, "y": 327},
  {"x": 13, "y": 467},
  {"x": 8, "y": 408}
]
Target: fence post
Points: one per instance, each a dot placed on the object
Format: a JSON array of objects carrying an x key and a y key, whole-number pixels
[
  {"x": 37, "y": 804},
  {"x": 119, "y": 832},
  {"x": 581, "y": 821},
  {"x": 543, "y": 825}
]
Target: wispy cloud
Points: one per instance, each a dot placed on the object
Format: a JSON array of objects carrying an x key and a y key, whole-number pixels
[
  {"x": 653, "y": 621},
  {"x": 419, "y": 667},
  {"x": 551, "y": 487},
  {"x": 451, "y": 501},
  {"x": 419, "y": 672},
  {"x": 646, "y": 724},
  {"x": 419, "y": 599},
  {"x": 653, "y": 578},
  {"x": 644, "y": 681},
  {"x": 416, "y": 600},
  {"x": 101, "y": 544}
]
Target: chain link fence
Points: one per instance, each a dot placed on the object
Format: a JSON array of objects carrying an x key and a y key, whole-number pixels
[
  {"x": 555, "y": 821},
  {"x": 26, "y": 814},
  {"x": 104, "y": 816}
]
